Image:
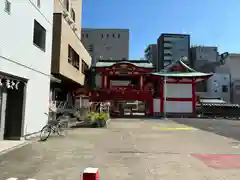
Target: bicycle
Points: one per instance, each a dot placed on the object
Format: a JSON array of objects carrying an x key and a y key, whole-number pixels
[{"x": 53, "y": 126}]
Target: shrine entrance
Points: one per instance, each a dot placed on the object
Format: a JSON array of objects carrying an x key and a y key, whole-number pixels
[{"x": 125, "y": 84}]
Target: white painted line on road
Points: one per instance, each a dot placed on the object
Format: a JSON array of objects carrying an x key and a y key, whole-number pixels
[{"x": 17, "y": 179}]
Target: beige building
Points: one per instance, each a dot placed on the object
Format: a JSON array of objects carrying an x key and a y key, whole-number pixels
[
  {"x": 70, "y": 60},
  {"x": 69, "y": 57},
  {"x": 106, "y": 44}
]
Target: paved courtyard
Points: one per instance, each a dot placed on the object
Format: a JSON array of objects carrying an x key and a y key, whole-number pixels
[{"x": 128, "y": 150}]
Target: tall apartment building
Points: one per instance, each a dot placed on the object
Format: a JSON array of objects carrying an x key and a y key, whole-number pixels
[
  {"x": 151, "y": 54},
  {"x": 70, "y": 60},
  {"x": 201, "y": 55},
  {"x": 172, "y": 47},
  {"x": 25, "y": 63},
  {"x": 106, "y": 44}
]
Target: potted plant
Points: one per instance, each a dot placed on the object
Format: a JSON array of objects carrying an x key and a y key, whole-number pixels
[
  {"x": 102, "y": 119},
  {"x": 91, "y": 118}
]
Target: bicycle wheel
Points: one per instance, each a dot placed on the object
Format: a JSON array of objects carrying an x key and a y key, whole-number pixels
[
  {"x": 59, "y": 130},
  {"x": 45, "y": 132}
]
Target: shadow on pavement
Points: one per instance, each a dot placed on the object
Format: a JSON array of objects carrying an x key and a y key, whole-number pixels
[
  {"x": 134, "y": 117},
  {"x": 222, "y": 127}
]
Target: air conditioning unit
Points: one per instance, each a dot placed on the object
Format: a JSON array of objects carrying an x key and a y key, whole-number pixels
[
  {"x": 65, "y": 13},
  {"x": 69, "y": 20},
  {"x": 74, "y": 27}
]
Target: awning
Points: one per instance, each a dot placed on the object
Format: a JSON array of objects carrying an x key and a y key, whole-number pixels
[{"x": 54, "y": 79}]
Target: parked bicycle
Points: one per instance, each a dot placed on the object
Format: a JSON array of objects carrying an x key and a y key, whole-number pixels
[{"x": 54, "y": 126}]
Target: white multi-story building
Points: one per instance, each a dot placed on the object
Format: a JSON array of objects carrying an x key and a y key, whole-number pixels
[{"x": 25, "y": 63}]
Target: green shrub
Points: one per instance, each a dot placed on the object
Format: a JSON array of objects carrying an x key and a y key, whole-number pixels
[
  {"x": 91, "y": 116},
  {"x": 97, "y": 119},
  {"x": 102, "y": 116}
]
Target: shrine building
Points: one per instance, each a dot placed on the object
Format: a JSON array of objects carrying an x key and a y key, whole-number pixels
[{"x": 116, "y": 81}]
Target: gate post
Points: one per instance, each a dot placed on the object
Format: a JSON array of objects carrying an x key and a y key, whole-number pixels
[
  {"x": 90, "y": 174},
  {"x": 151, "y": 107}
]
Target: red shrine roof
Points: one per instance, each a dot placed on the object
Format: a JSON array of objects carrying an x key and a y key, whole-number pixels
[
  {"x": 180, "y": 69},
  {"x": 138, "y": 63}
]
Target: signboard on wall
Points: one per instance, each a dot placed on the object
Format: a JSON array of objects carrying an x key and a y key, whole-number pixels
[
  {"x": 119, "y": 83},
  {"x": 124, "y": 69},
  {"x": 9, "y": 83}
]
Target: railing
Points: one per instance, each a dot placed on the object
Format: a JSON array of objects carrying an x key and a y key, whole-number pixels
[{"x": 134, "y": 87}]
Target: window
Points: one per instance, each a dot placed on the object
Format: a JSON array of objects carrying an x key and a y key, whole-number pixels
[
  {"x": 70, "y": 54},
  {"x": 167, "y": 42},
  {"x": 90, "y": 48},
  {"x": 84, "y": 67},
  {"x": 73, "y": 14},
  {"x": 39, "y": 3},
  {"x": 118, "y": 35},
  {"x": 167, "y": 47},
  {"x": 107, "y": 35},
  {"x": 102, "y": 36},
  {"x": 224, "y": 88},
  {"x": 113, "y": 35},
  {"x": 7, "y": 6},
  {"x": 66, "y": 4},
  {"x": 73, "y": 57},
  {"x": 86, "y": 35},
  {"x": 167, "y": 54},
  {"x": 39, "y": 36}
]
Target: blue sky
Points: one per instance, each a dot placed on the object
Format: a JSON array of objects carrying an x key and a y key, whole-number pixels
[{"x": 209, "y": 22}]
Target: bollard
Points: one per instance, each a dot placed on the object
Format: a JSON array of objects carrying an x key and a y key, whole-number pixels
[{"x": 90, "y": 174}]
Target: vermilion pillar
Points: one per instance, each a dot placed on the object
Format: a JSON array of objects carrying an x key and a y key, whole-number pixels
[
  {"x": 142, "y": 82},
  {"x": 194, "y": 96},
  {"x": 151, "y": 107},
  {"x": 102, "y": 80},
  {"x": 161, "y": 96}
]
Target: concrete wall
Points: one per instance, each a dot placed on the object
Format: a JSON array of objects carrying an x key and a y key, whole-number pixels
[
  {"x": 201, "y": 55},
  {"x": 20, "y": 57},
  {"x": 156, "y": 105},
  {"x": 106, "y": 43},
  {"x": 236, "y": 92},
  {"x": 76, "y": 5},
  {"x": 215, "y": 86},
  {"x": 231, "y": 65},
  {"x": 179, "y": 107},
  {"x": 179, "y": 90}
]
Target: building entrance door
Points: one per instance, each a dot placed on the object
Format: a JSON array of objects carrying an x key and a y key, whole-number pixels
[{"x": 3, "y": 101}]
